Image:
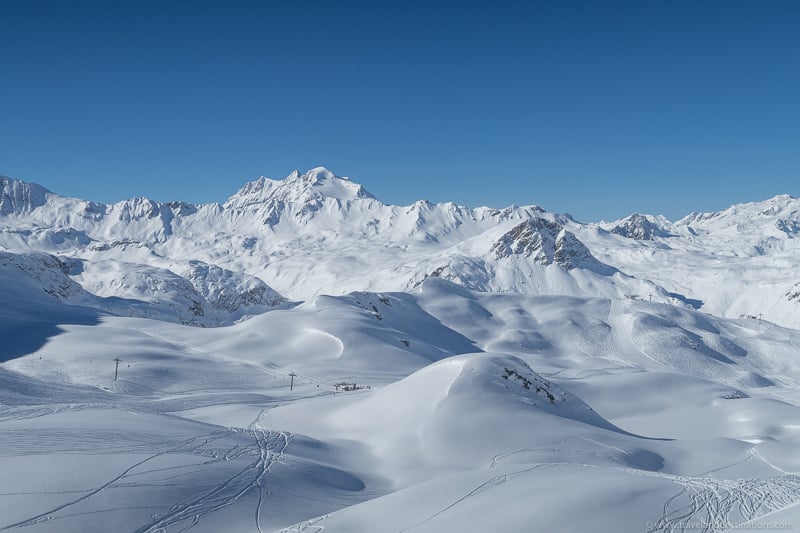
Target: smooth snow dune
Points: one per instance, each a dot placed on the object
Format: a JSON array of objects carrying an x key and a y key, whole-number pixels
[
  {"x": 366, "y": 335},
  {"x": 573, "y": 333},
  {"x": 466, "y": 412},
  {"x": 367, "y": 338},
  {"x": 740, "y": 353}
]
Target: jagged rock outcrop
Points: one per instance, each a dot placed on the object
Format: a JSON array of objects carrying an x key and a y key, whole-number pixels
[
  {"x": 639, "y": 227},
  {"x": 794, "y": 293},
  {"x": 546, "y": 242}
]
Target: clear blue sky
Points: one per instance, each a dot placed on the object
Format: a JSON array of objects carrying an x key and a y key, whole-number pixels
[{"x": 595, "y": 108}]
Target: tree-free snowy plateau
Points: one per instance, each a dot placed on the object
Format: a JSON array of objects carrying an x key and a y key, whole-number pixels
[{"x": 304, "y": 357}]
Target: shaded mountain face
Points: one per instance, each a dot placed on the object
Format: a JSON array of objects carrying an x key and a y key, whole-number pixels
[
  {"x": 317, "y": 233},
  {"x": 48, "y": 272}
]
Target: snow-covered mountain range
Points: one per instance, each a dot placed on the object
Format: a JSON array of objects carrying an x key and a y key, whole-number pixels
[
  {"x": 317, "y": 233},
  {"x": 387, "y": 368}
]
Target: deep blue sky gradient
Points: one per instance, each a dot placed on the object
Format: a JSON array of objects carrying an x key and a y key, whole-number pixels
[{"x": 595, "y": 108}]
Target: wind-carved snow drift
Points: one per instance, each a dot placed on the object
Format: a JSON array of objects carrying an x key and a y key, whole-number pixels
[{"x": 317, "y": 233}]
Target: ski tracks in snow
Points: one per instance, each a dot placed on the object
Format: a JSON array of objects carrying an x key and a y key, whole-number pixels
[
  {"x": 486, "y": 485},
  {"x": 186, "y": 446},
  {"x": 268, "y": 448},
  {"x": 710, "y": 504},
  {"x": 703, "y": 503}
]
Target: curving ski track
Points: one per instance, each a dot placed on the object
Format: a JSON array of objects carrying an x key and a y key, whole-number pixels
[
  {"x": 710, "y": 504},
  {"x": 268, "y": 448}
]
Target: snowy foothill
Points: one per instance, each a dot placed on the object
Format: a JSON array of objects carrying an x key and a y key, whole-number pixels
[{"x": 304, "y": 357}]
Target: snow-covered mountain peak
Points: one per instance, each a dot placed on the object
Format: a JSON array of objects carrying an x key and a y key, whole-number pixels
[
  {"x": 640, "y": 227},
  {"x": 780, "y": 207},
  {"x": 546, "y": 242},
  {"x": 18, "y": 197},
  {"x": 325, "y": 183},
  {"x": 316, "y": 184},
  {"x": 314, "y": 176},
  {"x": 752, "y": 228}
]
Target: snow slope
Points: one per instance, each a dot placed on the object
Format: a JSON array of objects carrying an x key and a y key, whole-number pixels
[
  {"x": 483, "y": 410},
  {"x": 415, "y": 368}
]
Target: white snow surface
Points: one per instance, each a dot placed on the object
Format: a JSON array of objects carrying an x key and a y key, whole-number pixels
[{"x": 304, "y": 357}]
